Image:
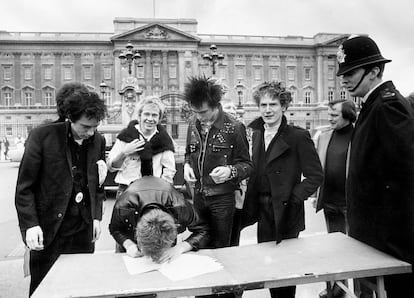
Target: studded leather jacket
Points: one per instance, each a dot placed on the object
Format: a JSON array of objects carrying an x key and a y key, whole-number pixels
[
  {"x": 149, "y": 192},
  {"x": 225, "y": 144}
]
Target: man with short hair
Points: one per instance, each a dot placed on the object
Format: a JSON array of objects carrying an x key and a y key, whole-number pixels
[
  {"x": 282, "y": 155},
  {"x": 380, "y": 188},
  {"x": 332, "y": 146},
  {"x": 133, "y": 215},
  {"x": 59, "y": 189},
  {"x": 216, "y": 159}
]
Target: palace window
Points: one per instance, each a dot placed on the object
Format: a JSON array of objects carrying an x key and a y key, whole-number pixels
[
  {"x": 156, "y": 71},
  {"x": 257, "y": 73},
  {"x": 140, "y": 71},
  {"x": 47, "y": 72},
  {"x": 240, "y": 73},
  {"x": 342, "y": 94},
  {"x": 107, "y": 70},
  {"x": 27, "y": 72},
  {"x": 7, "y": 99},
  {"x": 48, "y": 98},
  {"x": 291, "y": 73},
  {"x": 308, "y": 73},
  {"x": 9, "y": 130},
  {"x": 331, "y": 95},
  {"x": 7, "y": 72},
  {"x": 67, "y": 73},
  {"x": 275, "y": 73},
  {"x": 308, "y": 95},
  {"x": 108, "y": 97},
  {"x": 172, "y": 71},
  {"x": 28, "y": 98},
  {"x": 330, "y": 73},
  {"x": 87, "y": 72},
  {"x": 222, "y": 72}
]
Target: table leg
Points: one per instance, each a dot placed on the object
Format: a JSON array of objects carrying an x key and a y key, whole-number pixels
[{"x": 381, "y": 293}]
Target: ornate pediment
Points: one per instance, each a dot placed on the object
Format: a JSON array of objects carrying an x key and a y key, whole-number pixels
[{"x": 156, "y": 32}]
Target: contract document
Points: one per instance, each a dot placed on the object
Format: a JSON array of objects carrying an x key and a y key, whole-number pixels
[{"x": 184, "y": 266}]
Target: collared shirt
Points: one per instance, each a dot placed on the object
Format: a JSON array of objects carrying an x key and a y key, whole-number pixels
[{"x": 269, "y": 134}]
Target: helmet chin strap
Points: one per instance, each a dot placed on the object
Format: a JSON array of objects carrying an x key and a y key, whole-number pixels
[{"x": 366, "y": 71}]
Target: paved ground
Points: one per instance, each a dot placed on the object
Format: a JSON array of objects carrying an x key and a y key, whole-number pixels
[{"x": 14, "y": 285}]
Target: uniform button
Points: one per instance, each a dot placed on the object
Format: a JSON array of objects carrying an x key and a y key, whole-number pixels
[
  {"x": 126, "y": 220},
  {"x": 59, "y": 215},
  {"x": 387, "y": 186},
  {"x": 136, "y": 212}
]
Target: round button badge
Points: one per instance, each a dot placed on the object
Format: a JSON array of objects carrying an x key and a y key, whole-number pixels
[{"x": 79, "y": 197}]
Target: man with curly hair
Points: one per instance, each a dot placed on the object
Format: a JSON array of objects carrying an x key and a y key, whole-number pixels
[
  {"x": 282, "y": 154},
  {"x": 59, "y": 189},
  {"x": 216, "y": 159}
]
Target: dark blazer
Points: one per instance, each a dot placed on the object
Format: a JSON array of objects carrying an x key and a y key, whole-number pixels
[
  {"x": 44, "y": 183},
  {"x": 292, "y": 154},
  {"x": 380, "y": 187},
  {"x": 153, "y": 191}
]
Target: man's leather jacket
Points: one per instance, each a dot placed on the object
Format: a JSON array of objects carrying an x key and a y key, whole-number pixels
[
  {"x": 152, "y": 191},
  {"x": 225, "y": 145}
]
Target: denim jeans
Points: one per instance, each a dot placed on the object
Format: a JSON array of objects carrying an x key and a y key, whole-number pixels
[{"x": 218, "y": 212}]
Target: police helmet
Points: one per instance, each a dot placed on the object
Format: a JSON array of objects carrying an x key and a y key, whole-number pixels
[{"x": 356, "y": 52}]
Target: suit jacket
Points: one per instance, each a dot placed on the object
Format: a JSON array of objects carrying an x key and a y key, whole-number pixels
[
  {"x": 322, "y": 144},
  {"x": 44, "y": 183},
  {"x": 380, "y": 186},
  {"x": 292, "y": 154}
]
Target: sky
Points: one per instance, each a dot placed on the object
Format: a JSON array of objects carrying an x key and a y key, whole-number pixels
[{"x": 389, "y": 23}]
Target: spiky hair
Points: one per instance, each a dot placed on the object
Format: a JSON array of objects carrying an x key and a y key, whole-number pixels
[{"x": 202, "y": 89}]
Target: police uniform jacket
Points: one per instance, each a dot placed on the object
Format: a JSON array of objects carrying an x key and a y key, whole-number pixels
[
  {"x": 150, "y": 191},
  {"x": 380, "y": 186},
  {"x": 225, "y": 144},
  {"x": 290, "y": 155},
  {"x": 45, "y": 179}
]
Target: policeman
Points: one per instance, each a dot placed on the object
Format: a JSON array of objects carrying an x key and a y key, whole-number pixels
[{"x": 380, "y": 188}]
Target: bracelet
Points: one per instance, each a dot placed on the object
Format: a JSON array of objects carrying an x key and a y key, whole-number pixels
[{"x": 233, "y": 172}]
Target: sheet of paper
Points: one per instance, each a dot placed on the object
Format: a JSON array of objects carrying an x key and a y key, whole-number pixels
[
  {"x": 139, "y": 265},
  {"x": 189, "y": 265}
]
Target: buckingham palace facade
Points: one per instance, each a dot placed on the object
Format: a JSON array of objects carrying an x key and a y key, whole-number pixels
[{"x": 34, "y": 65}]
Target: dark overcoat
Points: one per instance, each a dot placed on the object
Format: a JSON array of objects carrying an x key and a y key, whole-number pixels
[
  {"x": 292, "y": 154},
  {"x": 380, "y": 186},
  {"x": 45, "y": 179}
]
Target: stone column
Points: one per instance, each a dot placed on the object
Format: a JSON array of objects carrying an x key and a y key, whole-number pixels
[
  {"x": 164, "y": 73},
  {"x": 181, "y": 72},
  {"x": 195, "y": 63},
  {"x": 18, "y": 77},
  {"x": 37, "y": 72},
  {"x": 148, "y": 72},
  {"x": 97, "y": 65},
  {"x": 232, "y": 80},
  {"x": 78, "y": 67},
  {"x": 319, "y": 92},
  {"x": 299, "y": 65},
  {"x": 283, "y": 76},
  {"x": 57, "y": 70},
  {"x": 266, "y": 68}
]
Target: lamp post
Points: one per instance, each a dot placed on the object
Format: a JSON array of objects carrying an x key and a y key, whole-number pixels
[
  {"x": 239, "y": 90},
  {"x": 129, "y": 56},
  {"x": 213, "y": 57},
  {"x": 103, "y": 87}
]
